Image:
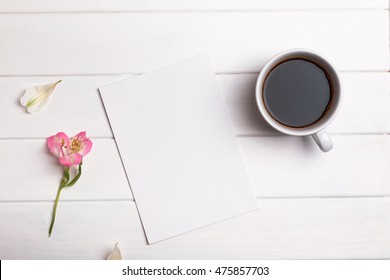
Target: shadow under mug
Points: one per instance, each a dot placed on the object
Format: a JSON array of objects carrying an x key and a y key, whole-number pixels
[{"x": 317, "y": 129}]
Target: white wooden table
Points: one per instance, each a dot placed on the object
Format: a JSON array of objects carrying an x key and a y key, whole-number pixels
[{"x": 311, "y": 204}]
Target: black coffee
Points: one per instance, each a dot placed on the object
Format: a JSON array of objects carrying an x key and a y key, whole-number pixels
[{"x": 297, "y": 93}]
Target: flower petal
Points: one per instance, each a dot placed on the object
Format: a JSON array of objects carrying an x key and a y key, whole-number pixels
[
  {"x": 87, "y": 146},
  {"x": 71, "y": 159},
  {"x": 81, "y": 135},
  {"x": 115, "y": 254},
  {"x": 85, "y": 143},
  {"x": 36, "y": 98},
  {"x": 57, "y": 144}
]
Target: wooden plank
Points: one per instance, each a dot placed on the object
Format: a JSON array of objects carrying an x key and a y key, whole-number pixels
[
  {"x": 281, "y": 228},
  {"x": 278, "y": 167},
  {"x": 133, "y": 43},
  {"x": 177, "y": 5},
  {"x": 365, "y": 107},
  {"x": 364, "y": 110},
  {"x": 29, "y": 172}
]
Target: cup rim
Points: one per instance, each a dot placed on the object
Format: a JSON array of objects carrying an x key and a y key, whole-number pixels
[{"x": 314, "y": 57}]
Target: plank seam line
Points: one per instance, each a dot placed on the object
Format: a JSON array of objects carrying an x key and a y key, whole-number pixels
[
  {"x": 334, "y": 134},
  {"x": 135, "y": 11},
  {"x": 388, "y": 33},
  {"x": 237, "y": 136},
  {"x": 140, "y": 73},
  {"x": 44, "y": 138},
  {"x": 257, "y": 198}
]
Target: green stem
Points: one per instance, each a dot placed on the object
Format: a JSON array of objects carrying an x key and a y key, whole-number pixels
[
  {"x": 63, "y": 183},
  {"x": 53, "y": 217}
]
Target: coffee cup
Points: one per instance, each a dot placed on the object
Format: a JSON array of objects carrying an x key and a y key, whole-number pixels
[{"x": 298, "y": 92}]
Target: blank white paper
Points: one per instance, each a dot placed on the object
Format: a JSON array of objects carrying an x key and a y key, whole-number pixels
[{"x": 178, "y": 147}]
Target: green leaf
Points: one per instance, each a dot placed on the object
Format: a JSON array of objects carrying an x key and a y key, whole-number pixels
[{"x": 75, "y": 179}]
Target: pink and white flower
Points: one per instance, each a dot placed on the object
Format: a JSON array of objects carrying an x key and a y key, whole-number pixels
[{"x": 69, "y": 151}]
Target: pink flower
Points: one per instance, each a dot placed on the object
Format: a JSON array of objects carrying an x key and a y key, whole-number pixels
[{"x": 69, "y": 151}]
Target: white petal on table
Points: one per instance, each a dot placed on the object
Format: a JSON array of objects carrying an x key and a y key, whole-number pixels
[
  {"x": 36, "y": 98},
  {"x": 115, "y": 254}
]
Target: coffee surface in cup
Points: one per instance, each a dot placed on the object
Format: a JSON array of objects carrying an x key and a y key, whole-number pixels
[{"x": 297, "y": 93}]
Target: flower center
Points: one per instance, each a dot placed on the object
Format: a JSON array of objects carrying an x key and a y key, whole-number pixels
[{"x": 75, "y": 146}]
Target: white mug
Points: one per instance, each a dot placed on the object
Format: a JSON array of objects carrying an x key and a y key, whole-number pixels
[{"x": 317, "y": 129}]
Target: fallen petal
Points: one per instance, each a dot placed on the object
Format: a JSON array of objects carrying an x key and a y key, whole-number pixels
[
  {"x": 36, "y": 98},
  {"x": 115, "y": 254}
]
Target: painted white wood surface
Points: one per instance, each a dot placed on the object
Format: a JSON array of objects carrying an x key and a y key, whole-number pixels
[
  {"x": 290, "y": 166},
  {"x": 311, "y": 205},
  {"x": 281, "y": 228},
  {"x": 107, "y": 43},
  {"x": 365, "y": 106},
  {"x": 179, "y": 5},
  {"x": 279, "y": 166}
]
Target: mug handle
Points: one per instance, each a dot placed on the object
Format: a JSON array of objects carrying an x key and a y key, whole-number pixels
[{"x": 323, "y": 140}]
